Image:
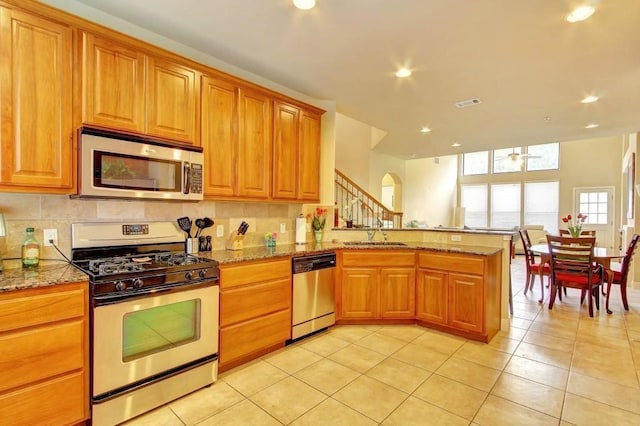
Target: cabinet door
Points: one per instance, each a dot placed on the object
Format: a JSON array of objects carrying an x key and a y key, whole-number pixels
[
  {"x": 432, "y": 296},
  {"x": 35, "y": 102},
  {"x": 359, "y": 293},
  {"x": 219, "y": 136},
  {"x": 285, "y": 151},
  {"x": 113, "y": 84},
  {"x": 466, "y": 302},
  {"x": 172, "y": 100},
  {"x": 397, "y": 292},
  {"x": 309, "y": 157},
  {"x": 254, "y": 144}
]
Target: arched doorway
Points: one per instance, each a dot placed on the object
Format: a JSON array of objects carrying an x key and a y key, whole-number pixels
[{"x": 391, "y": 192}]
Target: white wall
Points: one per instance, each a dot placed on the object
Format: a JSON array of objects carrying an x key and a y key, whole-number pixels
[
  {"x": 353, "y": 144},
  {"x": 430, "y": 190}
]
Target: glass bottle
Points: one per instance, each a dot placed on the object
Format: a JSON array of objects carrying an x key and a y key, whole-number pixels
[{"x": 30, "y": 250}]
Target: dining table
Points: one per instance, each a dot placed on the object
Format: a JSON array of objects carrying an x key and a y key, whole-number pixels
[{"x": 601, "y": 255}]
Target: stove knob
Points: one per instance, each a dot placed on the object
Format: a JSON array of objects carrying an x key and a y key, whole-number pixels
[
  {"x": 137, "y": 283},
  {"x": 120, "y": 286},
  {"x": 189, "y": 275},
  {"x": 202, "y": 273}
]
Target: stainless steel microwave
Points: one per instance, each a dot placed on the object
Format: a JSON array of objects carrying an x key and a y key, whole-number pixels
[{"x": 121, "y": 165}]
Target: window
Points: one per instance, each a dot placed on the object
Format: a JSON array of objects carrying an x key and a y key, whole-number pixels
[
  {"x": 543, "y": 157},
  {"x": 594, "y": 205},
  {"x": 475, "y": 163},
  {"x": 541, "y": 204},
  {"x": 504, "y": 160},
  {"x": 505, "y": 205},
  {"x": 474, "y": 200}
]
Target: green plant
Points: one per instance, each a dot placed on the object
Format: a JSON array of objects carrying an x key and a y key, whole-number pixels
[{"x": 318, "y": 219}]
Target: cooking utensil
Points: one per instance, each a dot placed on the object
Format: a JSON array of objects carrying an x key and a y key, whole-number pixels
[
  {"x": 208, "y": 222},
  {"x": 200, "y": 226},
  {"x": 185, "y": 224}
]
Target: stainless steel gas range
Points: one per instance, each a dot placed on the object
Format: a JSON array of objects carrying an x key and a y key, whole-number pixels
[{"x": 154, "y": 317}]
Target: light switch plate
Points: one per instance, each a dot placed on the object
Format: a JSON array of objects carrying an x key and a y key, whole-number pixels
[
  {"x": 283, "y": 228},
  {"x": 456, "y": 238},
  {"x": 220, "y": 231}
]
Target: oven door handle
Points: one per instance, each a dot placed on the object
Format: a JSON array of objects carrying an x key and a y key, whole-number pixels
[{"x": 113, "y": 298}]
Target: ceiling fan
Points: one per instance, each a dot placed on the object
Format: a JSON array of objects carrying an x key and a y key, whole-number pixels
[{"x": 517, "y": 156}]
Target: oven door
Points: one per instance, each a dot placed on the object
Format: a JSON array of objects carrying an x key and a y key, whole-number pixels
[{"x": 137, "y": 339}]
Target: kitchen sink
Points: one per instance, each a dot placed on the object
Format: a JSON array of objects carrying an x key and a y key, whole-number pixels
[{"x": 374, "y": 243}]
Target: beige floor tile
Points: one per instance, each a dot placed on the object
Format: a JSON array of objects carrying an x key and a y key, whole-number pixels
[
  {"x": 357, "y": 358},
  {"x": 521, "y": 323},
  {"x": 406, "y": 333},
  {"x": 370, "y": 397},
  {"x": 582, "y": 411},
  {"x": 325, "y": 344},
  {"x": 334, "y": 413},
  {"x": 416, "y": 412},
  {"x": 504, "y": 344},
  {"x": 538, "y": 372},
  {"x": 350, "y": 333},
  {"x": 206, "y": 402},
  {"x": 422, "y": 357},
  {"x": 469, "y": 373},
  {"x": 612, "y": 364},
  {"x": 546, "y": 355},
  {"x": 162, "y": 416},
  {"x": 292, "y": 359},
  {"x": 512, "y": 333},
  {"x": 242, "y": 414},
  {"x": 483, "y": 354},
  {"x": 254, "y": 377},
  {"x": 548, "y": 341},
  {"x": 399, "y": 374},
  {"x": 288, "y": 399},
  {"x": 440, "y": 342},
  {"x": 385, "y": 345},
  {"x": 327, "y": 376},
  {"x": 525, "y": 392},
  {"x": 556, "y": 328},
  {"x": 497, "y": 411},
  {"x": 624, "y": 397},
  {"x": 452, "y": 396}
]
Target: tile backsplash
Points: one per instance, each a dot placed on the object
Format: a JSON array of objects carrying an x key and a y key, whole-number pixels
[{"x": 60, "y": 211}]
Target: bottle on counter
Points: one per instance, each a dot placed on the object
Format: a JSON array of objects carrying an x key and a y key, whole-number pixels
[{"x": 30, "y": 250}]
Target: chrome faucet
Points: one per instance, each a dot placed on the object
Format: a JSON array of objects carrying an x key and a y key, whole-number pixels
[{"x": 372, "y": 232}]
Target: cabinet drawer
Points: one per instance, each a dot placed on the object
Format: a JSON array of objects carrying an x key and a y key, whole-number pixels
[
  {"x": 31, "y": 307},
  {"x": 243, "y": 303},
  {"x": 249, "y": 273},
  {"x": 245, "y": 338},
  {"x": 452, "y": 263},
  {"x": 378, "y": 258},
  {"x": 42, "y": 352},
  {"x": 60, "y": 401}
]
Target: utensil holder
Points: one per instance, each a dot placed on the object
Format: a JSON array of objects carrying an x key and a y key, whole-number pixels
[
  {"x": 235, "y": 241},
  {"x": 191, "y": 245}
]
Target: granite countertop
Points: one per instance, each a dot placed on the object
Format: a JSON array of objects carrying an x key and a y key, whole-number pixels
[{"x": 63, "y": 272}]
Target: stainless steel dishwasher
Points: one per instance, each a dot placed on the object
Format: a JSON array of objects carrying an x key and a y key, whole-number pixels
[{"x": 313, "y": 293}]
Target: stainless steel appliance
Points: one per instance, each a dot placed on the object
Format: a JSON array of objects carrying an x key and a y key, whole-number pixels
[
  {"x": 122, "y": 165},
  {"x": 154, "y": 316},
  {"x": 313, "y": 293}
]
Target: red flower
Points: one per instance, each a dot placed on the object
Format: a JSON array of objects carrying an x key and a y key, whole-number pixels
[{"x": 565, "y": 219}]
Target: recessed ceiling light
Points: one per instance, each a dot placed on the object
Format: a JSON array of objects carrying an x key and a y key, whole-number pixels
[
  {"x": 403, "y": 72},
  {"x": 425, "y": 130},
  {"x": 304, "y": 4},
  {"x": 589, "y": 99},
  {"x": 580, "y": 14},
  {"x": 591, "y": 126},
  {"x": 455, "y": 144}
]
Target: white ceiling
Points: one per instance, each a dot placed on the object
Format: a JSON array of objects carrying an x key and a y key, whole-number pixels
[{"x": 519, "y": 57}]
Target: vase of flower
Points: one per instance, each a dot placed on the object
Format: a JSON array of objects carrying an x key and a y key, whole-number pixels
[
  {"x": 575, "y": 225},
  {"x": 318, "y": 221},
  {"x": 318, "y": 236},
  {"x": 270, "y": 239}
]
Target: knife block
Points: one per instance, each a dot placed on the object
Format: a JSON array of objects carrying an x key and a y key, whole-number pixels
[{"x": 235, "y": 241}]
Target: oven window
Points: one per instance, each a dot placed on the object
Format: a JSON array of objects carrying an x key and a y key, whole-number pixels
[
  {"x": 160, "y": 328},
  {"x": 139, "y": 173}
]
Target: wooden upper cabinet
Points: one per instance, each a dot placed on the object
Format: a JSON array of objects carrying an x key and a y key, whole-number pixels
[
  {"x": 309, "y": 157},
  {"x": 113, "y": 83},
  {"x": 172, "y": 100},
  {"x": 35, "y": 103},
  {"x": 126, "y": 89},
  {"x": 254, "y": 144},
  {"x": 219, "y": 136}
]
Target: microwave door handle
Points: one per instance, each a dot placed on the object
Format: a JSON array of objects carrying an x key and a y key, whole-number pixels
[{"x": 187, "y": 178}]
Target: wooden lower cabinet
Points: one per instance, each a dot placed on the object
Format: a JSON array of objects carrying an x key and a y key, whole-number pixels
[
  {"x": 255, "y": 309},
  {"x": 44, "y": 363},
  {"x": 460, "y": 293},
  {"x": 385, "y": 288}
]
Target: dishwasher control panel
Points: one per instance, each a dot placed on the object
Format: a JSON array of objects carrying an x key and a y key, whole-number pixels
[{"x": 313, "y": 262}]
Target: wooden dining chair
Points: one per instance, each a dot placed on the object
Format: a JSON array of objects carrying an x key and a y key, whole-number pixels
[
  {"x": 532, "y": 265},
  {"x": 565, "y": 233},
  {"x": 573, "y": 266},
  {"x": 590, "y": 233},
  {"x": 621, "y": 272}
]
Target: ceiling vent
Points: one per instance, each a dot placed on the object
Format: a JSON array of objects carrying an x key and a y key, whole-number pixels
[{"x": 468, "y": 103}]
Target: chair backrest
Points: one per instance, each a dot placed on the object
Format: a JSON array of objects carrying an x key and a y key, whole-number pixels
[
  {"x": 628, "y": 257},
  {"x": 591, "y": 233},
  {"x": 526, "y": 245},
  {"x": 572, "y": 257},
  {"x": 564, "y": 232}
]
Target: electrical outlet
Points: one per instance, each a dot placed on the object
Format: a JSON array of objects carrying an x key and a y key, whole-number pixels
[
  {"x": 283, "y": 228},
  {"x": 220, "y": 231},
  {"x": 50, "y": 234},
  {"x": 456, "y": 238}
]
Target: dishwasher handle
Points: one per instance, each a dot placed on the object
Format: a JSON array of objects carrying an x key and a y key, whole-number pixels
[{"x": 304, "y": 264}]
